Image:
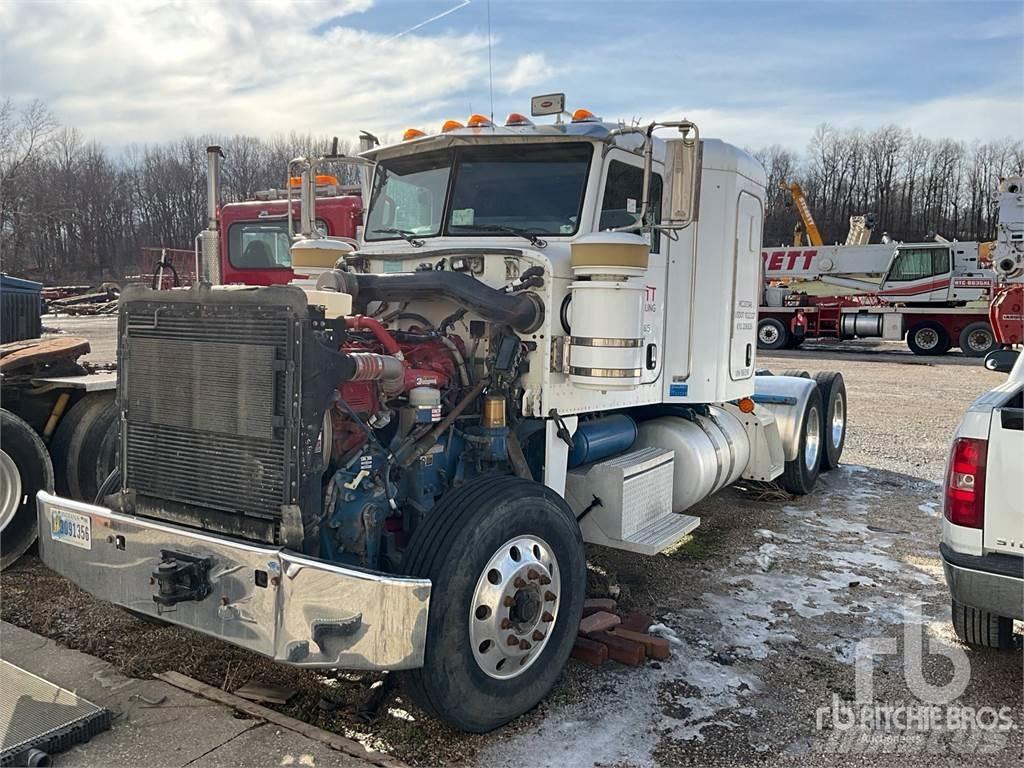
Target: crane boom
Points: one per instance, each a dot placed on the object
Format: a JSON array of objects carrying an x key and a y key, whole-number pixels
[{"x": 800, "y": 201}]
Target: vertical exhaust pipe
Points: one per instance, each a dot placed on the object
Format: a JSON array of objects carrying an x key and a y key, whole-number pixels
[{"x": 211, "y": 235}]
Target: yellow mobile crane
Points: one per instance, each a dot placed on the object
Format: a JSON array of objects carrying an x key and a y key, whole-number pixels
[{"x": 806, "y": 226}]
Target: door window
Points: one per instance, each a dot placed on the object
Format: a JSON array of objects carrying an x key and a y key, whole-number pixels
[
  {"x": 919, "y": 263},
  {"x": 623, "y": 198}
]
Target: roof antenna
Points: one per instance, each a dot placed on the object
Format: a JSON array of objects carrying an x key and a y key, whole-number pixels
[{"x": 490, "y": 69}]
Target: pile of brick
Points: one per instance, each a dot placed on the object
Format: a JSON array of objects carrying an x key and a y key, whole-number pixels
[{"x": 605, "y": 634}]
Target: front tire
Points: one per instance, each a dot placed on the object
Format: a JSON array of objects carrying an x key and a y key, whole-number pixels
[
  {"x": 800, "y": 474},
  {"x": 772, "y": 334},
  {"x": 505, "y": 558},
  {"x": 981, "y": 628},
  {"x": 25, "y": 469}
]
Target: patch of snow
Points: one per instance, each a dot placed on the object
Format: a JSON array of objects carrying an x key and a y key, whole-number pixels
[{"x": 930, "y": 508}]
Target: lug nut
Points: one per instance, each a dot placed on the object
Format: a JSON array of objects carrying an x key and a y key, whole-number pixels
[
  {"x": 550, "y": 596},
  {"x": 506, "y": 624},
  {"x": 524, "y": 645},
  {"x": 519, "y": 583},
  {"x": 547, "y": 617},
  {"x": 537, "y": 635},
  {"x": 532, "y": 575},
  {"x": 545, "y": 580},
  {"x": 507, "y": 601},
  {"x": 512, "y": 640}
]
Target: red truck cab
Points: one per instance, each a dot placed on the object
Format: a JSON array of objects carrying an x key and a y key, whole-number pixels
[{"x": 254, "y": 235}]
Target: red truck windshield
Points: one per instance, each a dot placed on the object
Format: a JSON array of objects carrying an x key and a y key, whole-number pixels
[{"x": 262, "y": 244}]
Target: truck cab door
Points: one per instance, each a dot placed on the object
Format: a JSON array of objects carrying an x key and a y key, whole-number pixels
[{"x": 918, "y": 274}]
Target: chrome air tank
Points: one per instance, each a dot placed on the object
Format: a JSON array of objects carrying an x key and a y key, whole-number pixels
[{"x": 711, "y": 452}]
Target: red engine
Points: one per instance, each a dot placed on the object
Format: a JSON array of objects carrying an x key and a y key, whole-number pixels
[{"x": 390, "y": 365}]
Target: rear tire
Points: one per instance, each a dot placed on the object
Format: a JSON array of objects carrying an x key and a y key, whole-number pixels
[
  {"x": 800, "y": 474},
  {"x": 25, "y": 469},
  {"x": 977, "y": 339},
  {"x": 981, "y": 628},
  {"x": 772, "y": 334},
  {"x": 928, "y": 338},
  {"x": 468, "y": 545},
  {"x": 800, "y": 374},
  {"x": 833, "y": 417}
]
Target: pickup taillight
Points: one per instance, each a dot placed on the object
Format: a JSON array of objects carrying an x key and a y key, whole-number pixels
[{"x": 965, "y": 482}]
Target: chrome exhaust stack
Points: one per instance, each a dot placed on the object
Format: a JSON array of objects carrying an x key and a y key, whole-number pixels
[{"x": 211, "y": 267}]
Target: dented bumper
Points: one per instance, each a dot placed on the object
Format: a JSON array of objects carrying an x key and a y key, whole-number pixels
[{"x": 295, "y": 609}]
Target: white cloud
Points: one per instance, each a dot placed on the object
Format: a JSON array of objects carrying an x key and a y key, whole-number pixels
[
  {"x": 528, "y": 70},
  {"x": 156, "y": 70}
]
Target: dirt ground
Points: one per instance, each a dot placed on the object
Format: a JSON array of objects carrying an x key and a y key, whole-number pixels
[{"x": 764, "y": 607}]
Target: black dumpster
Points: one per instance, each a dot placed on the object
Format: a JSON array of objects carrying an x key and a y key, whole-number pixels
[{"x": 20, "y": 309}]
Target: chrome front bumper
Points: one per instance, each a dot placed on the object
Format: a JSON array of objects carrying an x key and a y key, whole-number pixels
[{"x": 295, "y": 609}]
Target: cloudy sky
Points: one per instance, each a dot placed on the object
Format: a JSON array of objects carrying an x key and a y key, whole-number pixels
[{"x": 753, "y": 73}]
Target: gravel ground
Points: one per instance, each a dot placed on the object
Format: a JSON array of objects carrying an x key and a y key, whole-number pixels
[{"x": 764, "y": 606}]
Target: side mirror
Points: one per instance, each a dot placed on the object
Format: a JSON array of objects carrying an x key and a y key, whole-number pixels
[
  {"x": 1001, "y": 360},
  {"x": 683, "y": 200}
]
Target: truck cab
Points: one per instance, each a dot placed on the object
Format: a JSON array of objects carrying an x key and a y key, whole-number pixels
[
  {"x": 257, "y": 235},
  {"x": 982, "y": 545},
  {"x": 942, "y": 273}
]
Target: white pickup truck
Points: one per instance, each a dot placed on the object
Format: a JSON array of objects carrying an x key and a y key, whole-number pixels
[{"x": 983, "y": 530}]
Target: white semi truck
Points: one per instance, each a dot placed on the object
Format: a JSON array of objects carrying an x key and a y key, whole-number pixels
[{"x": 546, "y": 337}]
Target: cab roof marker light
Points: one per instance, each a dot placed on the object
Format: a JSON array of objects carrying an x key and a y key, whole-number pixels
[
  {"x": 585, "y": 116},
  {"x": 516, "y": 119},
  {"x": 322, "y": 179},
  {"x": 451, "y": 125},
  {"x": 412, "y": 133},
  {"x": 478, "y": 121}
]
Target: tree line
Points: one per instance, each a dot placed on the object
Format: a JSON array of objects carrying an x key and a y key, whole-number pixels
[{"x": 73, "y": 211}]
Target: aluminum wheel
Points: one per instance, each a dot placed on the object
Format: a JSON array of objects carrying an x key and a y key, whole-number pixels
[
  {"x": 10, "y": 489},
  {"x": 927, "y": 338},
  {"x": 514, "y": 607},
  {"x": 838, "y": 420},
  {"x": 768, "y": 334},
  {"x": 812, "y": 438},
  {"x": 980, "y": 340}
]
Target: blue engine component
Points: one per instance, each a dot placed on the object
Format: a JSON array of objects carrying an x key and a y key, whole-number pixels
[{"x": 600, "y": 438}]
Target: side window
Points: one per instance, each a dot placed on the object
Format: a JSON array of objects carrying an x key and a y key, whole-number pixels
[
  {"x": 919, "y": 263},
  {"x": 620, "y": 206},
  {"x": 262, "y": 244}
]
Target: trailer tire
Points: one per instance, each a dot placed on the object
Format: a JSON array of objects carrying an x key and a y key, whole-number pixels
[
  {"x": 977, "y": 339},
  {"x": 25, "y": 469},
  {"x": 66, "y": 446},
  {"x": 928, "y": 338},
  {"x": 800, "y": 474},
  {"x": 772, "y": 334},
  {"x": 981, "y": 628},
  {"x": 468, "y": 547},
  {"x": 833, "y": 417}
]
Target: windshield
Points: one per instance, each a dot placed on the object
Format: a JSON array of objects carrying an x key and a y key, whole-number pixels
[{"x": 536, "y": 189}]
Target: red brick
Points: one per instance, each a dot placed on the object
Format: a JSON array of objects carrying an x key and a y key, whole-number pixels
[
  {"x": 656, "y": 647},
  {"x": 595, "y": 604},
  {"x": 620, "y": 649},
  {"x": 590, "y": 651},
  {"x": 598, "y": 622},
  {"x": 636, "y": 622}
]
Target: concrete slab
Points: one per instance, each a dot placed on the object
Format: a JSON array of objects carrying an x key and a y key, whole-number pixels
[
  {"x": 268, "y": 746},
  {"x": 156, "y": 723}
]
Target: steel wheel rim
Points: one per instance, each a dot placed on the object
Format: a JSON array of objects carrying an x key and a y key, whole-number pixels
[
  {"x": 838, "y": 420},
  {"x": 812, "y": 438},
  {"x": 514, "y": 607},
  {"x": 927, "y": 338},
  {"x": 979, "y": 340},
  {"x": 769, "y": 334},
  {"x": 10, "y": 490}
]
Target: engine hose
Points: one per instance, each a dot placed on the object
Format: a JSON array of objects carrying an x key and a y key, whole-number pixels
[
  {"x": 460, "y": 361},
  {"x": 523, "y": 311}
]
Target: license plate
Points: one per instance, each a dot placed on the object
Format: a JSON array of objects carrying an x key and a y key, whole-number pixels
[{"x": 71, "y": 528}]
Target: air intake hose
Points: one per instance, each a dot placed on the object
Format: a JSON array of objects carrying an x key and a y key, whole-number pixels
[{"x": 523, "y": 311}]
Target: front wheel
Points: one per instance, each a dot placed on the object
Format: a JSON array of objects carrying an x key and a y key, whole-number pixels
[
  {"x": 772, "y": 334},
  {"x": 505, "y": 560}
]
